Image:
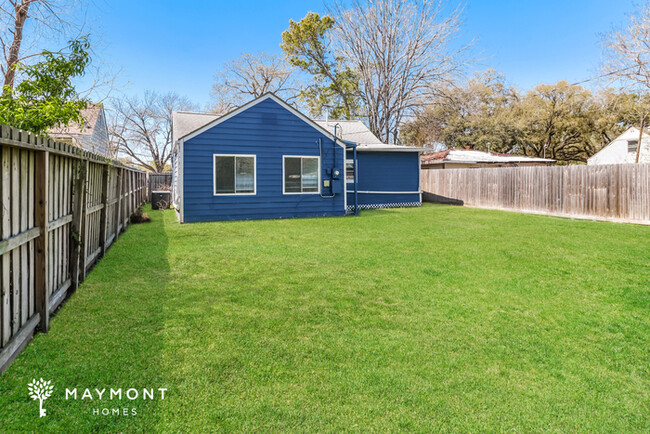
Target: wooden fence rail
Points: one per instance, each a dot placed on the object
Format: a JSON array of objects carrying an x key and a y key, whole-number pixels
[
  {"x": 618, "y": 192},
  {"x": 160, "y": 181},
  {"x": 62, "y": 207}
]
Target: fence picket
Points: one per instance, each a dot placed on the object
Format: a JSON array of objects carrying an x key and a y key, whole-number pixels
[
  {"x": 613, "y": 192},
  {"x": 56, "y": 199}
]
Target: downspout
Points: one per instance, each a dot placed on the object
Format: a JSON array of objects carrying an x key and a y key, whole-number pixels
[
  {"x": 356, "y": 178},
  {"x": 320, "y": 153}
]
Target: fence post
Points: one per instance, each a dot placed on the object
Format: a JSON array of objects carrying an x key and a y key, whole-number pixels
[
  {"x": 118, "y": 204},
  {"x": 103, "y": 213},
  {"x": 122, "y": 200},
  {"x": 78, "y": 213},
  {"x": 84, "y": 222},
  {"x": 41, "y": 296}
]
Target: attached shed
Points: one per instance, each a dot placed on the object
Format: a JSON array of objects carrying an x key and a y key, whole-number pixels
[
  {"x": 267, "y": 160},
  {"x": 387, "y": 176}
]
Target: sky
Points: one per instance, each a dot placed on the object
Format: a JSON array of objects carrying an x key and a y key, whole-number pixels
[{"x": 172, "y": 46}]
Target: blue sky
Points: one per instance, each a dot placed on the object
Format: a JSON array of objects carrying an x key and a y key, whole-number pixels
[{"x": 168, "y": 45}]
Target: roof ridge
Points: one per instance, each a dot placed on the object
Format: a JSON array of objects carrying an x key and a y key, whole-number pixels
[
  {"x": 197, "y": 113},
  {"x": 338, "y": 120}
]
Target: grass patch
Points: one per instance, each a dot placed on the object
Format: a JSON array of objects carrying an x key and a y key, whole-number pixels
[{"x": 437, "y": 318}]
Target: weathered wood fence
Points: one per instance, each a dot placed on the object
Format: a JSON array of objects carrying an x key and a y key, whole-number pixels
[
  {"x": 618, "y": 192},
  {"x": 160, "y": 181},
  {"x": 62, "y": 207}
]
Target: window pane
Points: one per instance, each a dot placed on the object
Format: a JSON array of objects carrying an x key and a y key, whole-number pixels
[
  {"x": 309, "y": 174},
  {"x": 631, "y": 145},
  {"x": 349, "y": 170},
  {"x": 292, "y": 175},
  {"x": 224, "y": 174},
  {"x": 245, "y": 174}
]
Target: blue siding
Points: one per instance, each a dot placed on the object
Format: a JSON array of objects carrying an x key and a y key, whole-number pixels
[
  {"x": 386, "y": 172},
  {"x": 268, "y": 131}
]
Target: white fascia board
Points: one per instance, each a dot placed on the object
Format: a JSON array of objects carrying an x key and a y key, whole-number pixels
[{"x": 181, "y": 180}]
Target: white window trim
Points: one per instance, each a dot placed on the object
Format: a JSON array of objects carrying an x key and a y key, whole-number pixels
[
  {"x": 301, "y": 192},
  {"x": 354, "y": 170},
  {"x": 214, "y": 175},
  {"x": 635, "y": 147}
]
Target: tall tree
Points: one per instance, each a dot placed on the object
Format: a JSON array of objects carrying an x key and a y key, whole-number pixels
[
  {"x": 627, "y": 50},
  {"x": 554, "y": 119},
  {"x": 141, "y": 128},
  {"x": 47, "y": 19},
  {"x": 250, "y": 76},
  {"x": 335, "y": 87},
  {"x": 561, "y": 121},
  {"x": 627, "y": 53},
  {"x": 46, "y": 96},
  {"x": 401, "y": 51},
  {"x": 477, "y": 115}
]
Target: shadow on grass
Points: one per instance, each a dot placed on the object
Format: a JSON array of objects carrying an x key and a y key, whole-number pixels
[{"x": 107, "y": 335}]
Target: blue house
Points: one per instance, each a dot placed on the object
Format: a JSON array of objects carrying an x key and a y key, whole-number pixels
[{"x": 267, "y": 160}]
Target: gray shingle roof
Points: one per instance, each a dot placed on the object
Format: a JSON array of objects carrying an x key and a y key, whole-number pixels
[
  {"x": 184, "y": 123},
  {"x": 351, "y": 131}
]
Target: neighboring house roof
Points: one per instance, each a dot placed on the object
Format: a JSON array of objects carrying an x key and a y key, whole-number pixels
[
  {"x": 91, "y": 134},
  {"x": 617, "y": 152},
  {"x": 90, "y": 114},
  {"x": 471, "y": 156}
]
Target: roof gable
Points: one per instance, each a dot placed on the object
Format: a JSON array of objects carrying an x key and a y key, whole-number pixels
[
  {"x": 213, "y": 123},
  {"x": 611, "y": 154},
  {"x": 90, "y": 115}
]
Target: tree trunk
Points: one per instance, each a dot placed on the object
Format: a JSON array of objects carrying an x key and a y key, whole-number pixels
[
  {"x": 638, "y": 145},
  {"x": 20, "y": 17}
]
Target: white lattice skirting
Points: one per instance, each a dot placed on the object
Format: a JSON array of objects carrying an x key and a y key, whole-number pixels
[{"x": 350, "y": 208}]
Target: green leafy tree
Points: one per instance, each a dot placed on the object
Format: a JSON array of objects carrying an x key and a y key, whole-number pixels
[
  {"x": 335, "y": 86},
  {"x": 46, "y": 97},
  {"x": 561, "y": 121},
  {"x": 476, "y": 116}
]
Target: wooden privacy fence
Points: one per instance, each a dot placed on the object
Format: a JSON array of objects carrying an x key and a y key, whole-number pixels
[
  {"x": 62, "y": 207},
  {"x": 160, "y": 181},
  {"x": 618, "y": 192}
]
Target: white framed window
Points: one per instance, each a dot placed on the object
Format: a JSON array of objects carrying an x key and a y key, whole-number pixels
[
  {"x": 349, "y": 170},
  {"x": 300, "y": 174},
  {"x": 632, "y": 145},
  {"x": 234, "y": 174}
]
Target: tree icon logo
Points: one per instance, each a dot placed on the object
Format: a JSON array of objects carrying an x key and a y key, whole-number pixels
[{"x": 40, "y": 390}]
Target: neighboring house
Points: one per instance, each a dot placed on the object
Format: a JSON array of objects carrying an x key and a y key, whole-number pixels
[
  {"x": 623, "y": 149},
  {"x": 460, "y": 158},
  {"x": 267, "y": 160},
  {"x": 91, "y": 135}
]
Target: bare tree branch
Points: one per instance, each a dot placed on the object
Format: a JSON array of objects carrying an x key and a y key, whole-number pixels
[
  {"x": 50, "y": 19},
  {"x": 251, "y": 76},
  {"x": 141, "y": 129},
  {"x": 401, "y": 50}
]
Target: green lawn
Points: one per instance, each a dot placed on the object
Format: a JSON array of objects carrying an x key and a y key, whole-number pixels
[{"x": 437, "y": 318}]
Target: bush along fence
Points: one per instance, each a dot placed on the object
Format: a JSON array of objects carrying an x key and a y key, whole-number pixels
[
  {"x": 62, "y": 207},
  {"x": 618, "y": 192}
]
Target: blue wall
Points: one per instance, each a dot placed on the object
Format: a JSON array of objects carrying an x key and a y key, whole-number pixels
[
  {"x": 383, "y": 172},
  {"x": 269, "y": 131}
]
